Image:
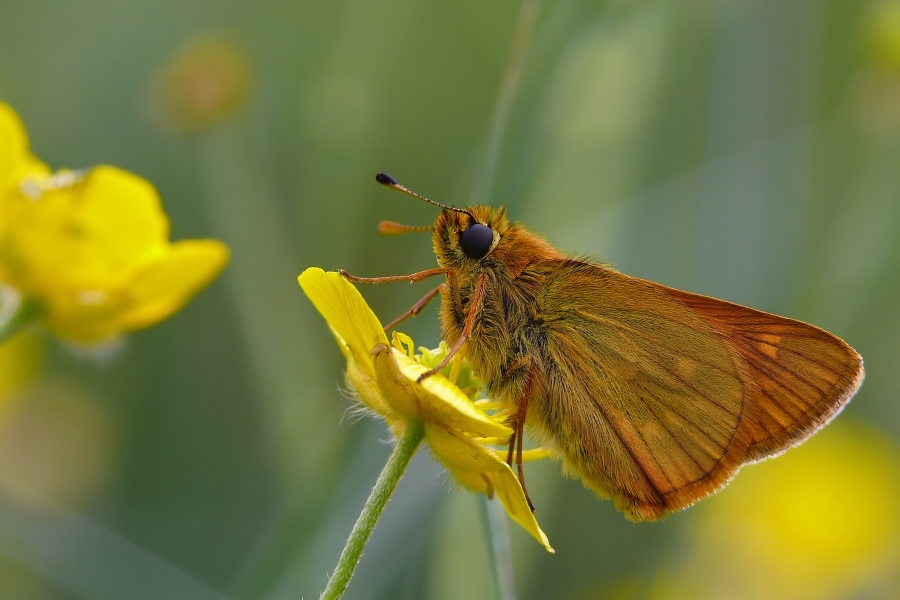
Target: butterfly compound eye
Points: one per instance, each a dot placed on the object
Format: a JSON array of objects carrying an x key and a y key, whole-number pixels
[{"x": 476, "y": 241}]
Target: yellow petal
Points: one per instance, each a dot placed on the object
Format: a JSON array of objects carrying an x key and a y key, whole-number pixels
[
  {"x": 120, "y": 214},
  {"x": 402, "y": 396},
  {"x": 83, "y": 235},
  {"x": 478, "y": 468},
  {"x": 434, "y": 399},
  {"x": 459, "y": 453},
  {"x": 145, "y": 295},
  {"x": 165, "y": 285},
  {"x": 448, "y": 405},
  {"x": 527, "y": 455},
  {"x": 83, "y": 316},
  {"x": 509, "y": 492},
  {"x": 346, "y": 312},
  {"x": 15, "y": 158},
  {"x": 12, "y": 139},
  {"x": 361, "y": 379}
]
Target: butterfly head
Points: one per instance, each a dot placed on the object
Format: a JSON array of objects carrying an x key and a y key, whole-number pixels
[
  {"x": 459, "y": 234},
  {"x": 464, "y": 238},
  {"x": 475, "y": 238}
]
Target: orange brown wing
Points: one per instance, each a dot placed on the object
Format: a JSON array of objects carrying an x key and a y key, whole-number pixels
[
  {"x": 656, "y": 397},
  {"x": 803, "y": 375}
]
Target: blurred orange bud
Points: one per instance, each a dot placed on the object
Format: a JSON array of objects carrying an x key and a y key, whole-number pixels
[{"x": 204, "y": 84}]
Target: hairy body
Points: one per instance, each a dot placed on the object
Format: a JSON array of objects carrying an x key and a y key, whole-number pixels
[{"x": 653, "y": 396}]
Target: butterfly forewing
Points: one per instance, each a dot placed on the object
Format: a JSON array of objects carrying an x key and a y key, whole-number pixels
[
  {"x": 674, "y": 409},
  {"x": 802, "y": 375}
]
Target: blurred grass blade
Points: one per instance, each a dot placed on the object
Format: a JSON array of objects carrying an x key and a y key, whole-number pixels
[
  {"x": 83, "y": 557},
  {"x": 509, "y": 85}
]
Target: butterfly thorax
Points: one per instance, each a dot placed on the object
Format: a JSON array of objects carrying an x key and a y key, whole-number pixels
[{"x": 513, "y": 273}]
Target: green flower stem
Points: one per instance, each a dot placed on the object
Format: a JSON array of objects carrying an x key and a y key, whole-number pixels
[
  {"x": 15, "y": 313},
  {"x": 498, "y": 544},
  {"x": 387, "y": 482}
]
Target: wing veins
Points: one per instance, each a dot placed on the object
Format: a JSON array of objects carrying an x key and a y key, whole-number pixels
[
  {"x": 809, "y": 409},
  {"x": 706, "y": 472},
  {"x": 635, "y": 333},
  {"x": 622, "y": 441},
  {"x": 739, "y": 415},
  {"x": 678, "y": 443},
  {"x": 759, "y": 360},
  {"x": 782, "y": 408},
  {"x": 660, "y": 341},
  {"x": 794, "y": 352},
  {"x": 655, "y": 461},
  {"x": 674, "y": 411}
]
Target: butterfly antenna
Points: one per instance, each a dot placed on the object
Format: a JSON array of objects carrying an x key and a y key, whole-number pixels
[
  {"x": 392, "y": 228},
  {"x": 388, "y": 181}
]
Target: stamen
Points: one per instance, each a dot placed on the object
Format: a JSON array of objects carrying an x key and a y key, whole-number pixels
[{"x": 35, "y": 187}]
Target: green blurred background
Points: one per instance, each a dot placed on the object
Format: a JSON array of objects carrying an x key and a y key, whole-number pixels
[{"x": 745, "y": 150}]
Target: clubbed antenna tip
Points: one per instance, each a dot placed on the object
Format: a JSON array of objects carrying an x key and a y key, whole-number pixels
[{"x": 385, "y": 179}]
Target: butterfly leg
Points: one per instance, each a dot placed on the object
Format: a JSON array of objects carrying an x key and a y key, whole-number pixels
[
  {"x": 417, "y": 307},
  {"x": 518, "y": 364},
  {"x": 475, "y": 306},
  {"x": 516, "y": 440},
  {"x": 414, "y": 278}
]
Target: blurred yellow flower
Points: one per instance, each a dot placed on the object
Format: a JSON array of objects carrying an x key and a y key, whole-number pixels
[
  {"x": 875, "y": 93},
  {"x": 20, "y": 361},
  {"x": 91, "y": 249},
  {"x": 880, "y": 33},
  {"x": 819, "y": 522},
  {"x": 384, "y": 377}
]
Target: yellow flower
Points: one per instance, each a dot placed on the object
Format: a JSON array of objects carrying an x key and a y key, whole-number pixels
[
  {"x": 16, "y": 160},
  {"x": 819, "y": 522},
  {"x": 92, "y": 249},
  {"x": 384, "y": 377}
]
